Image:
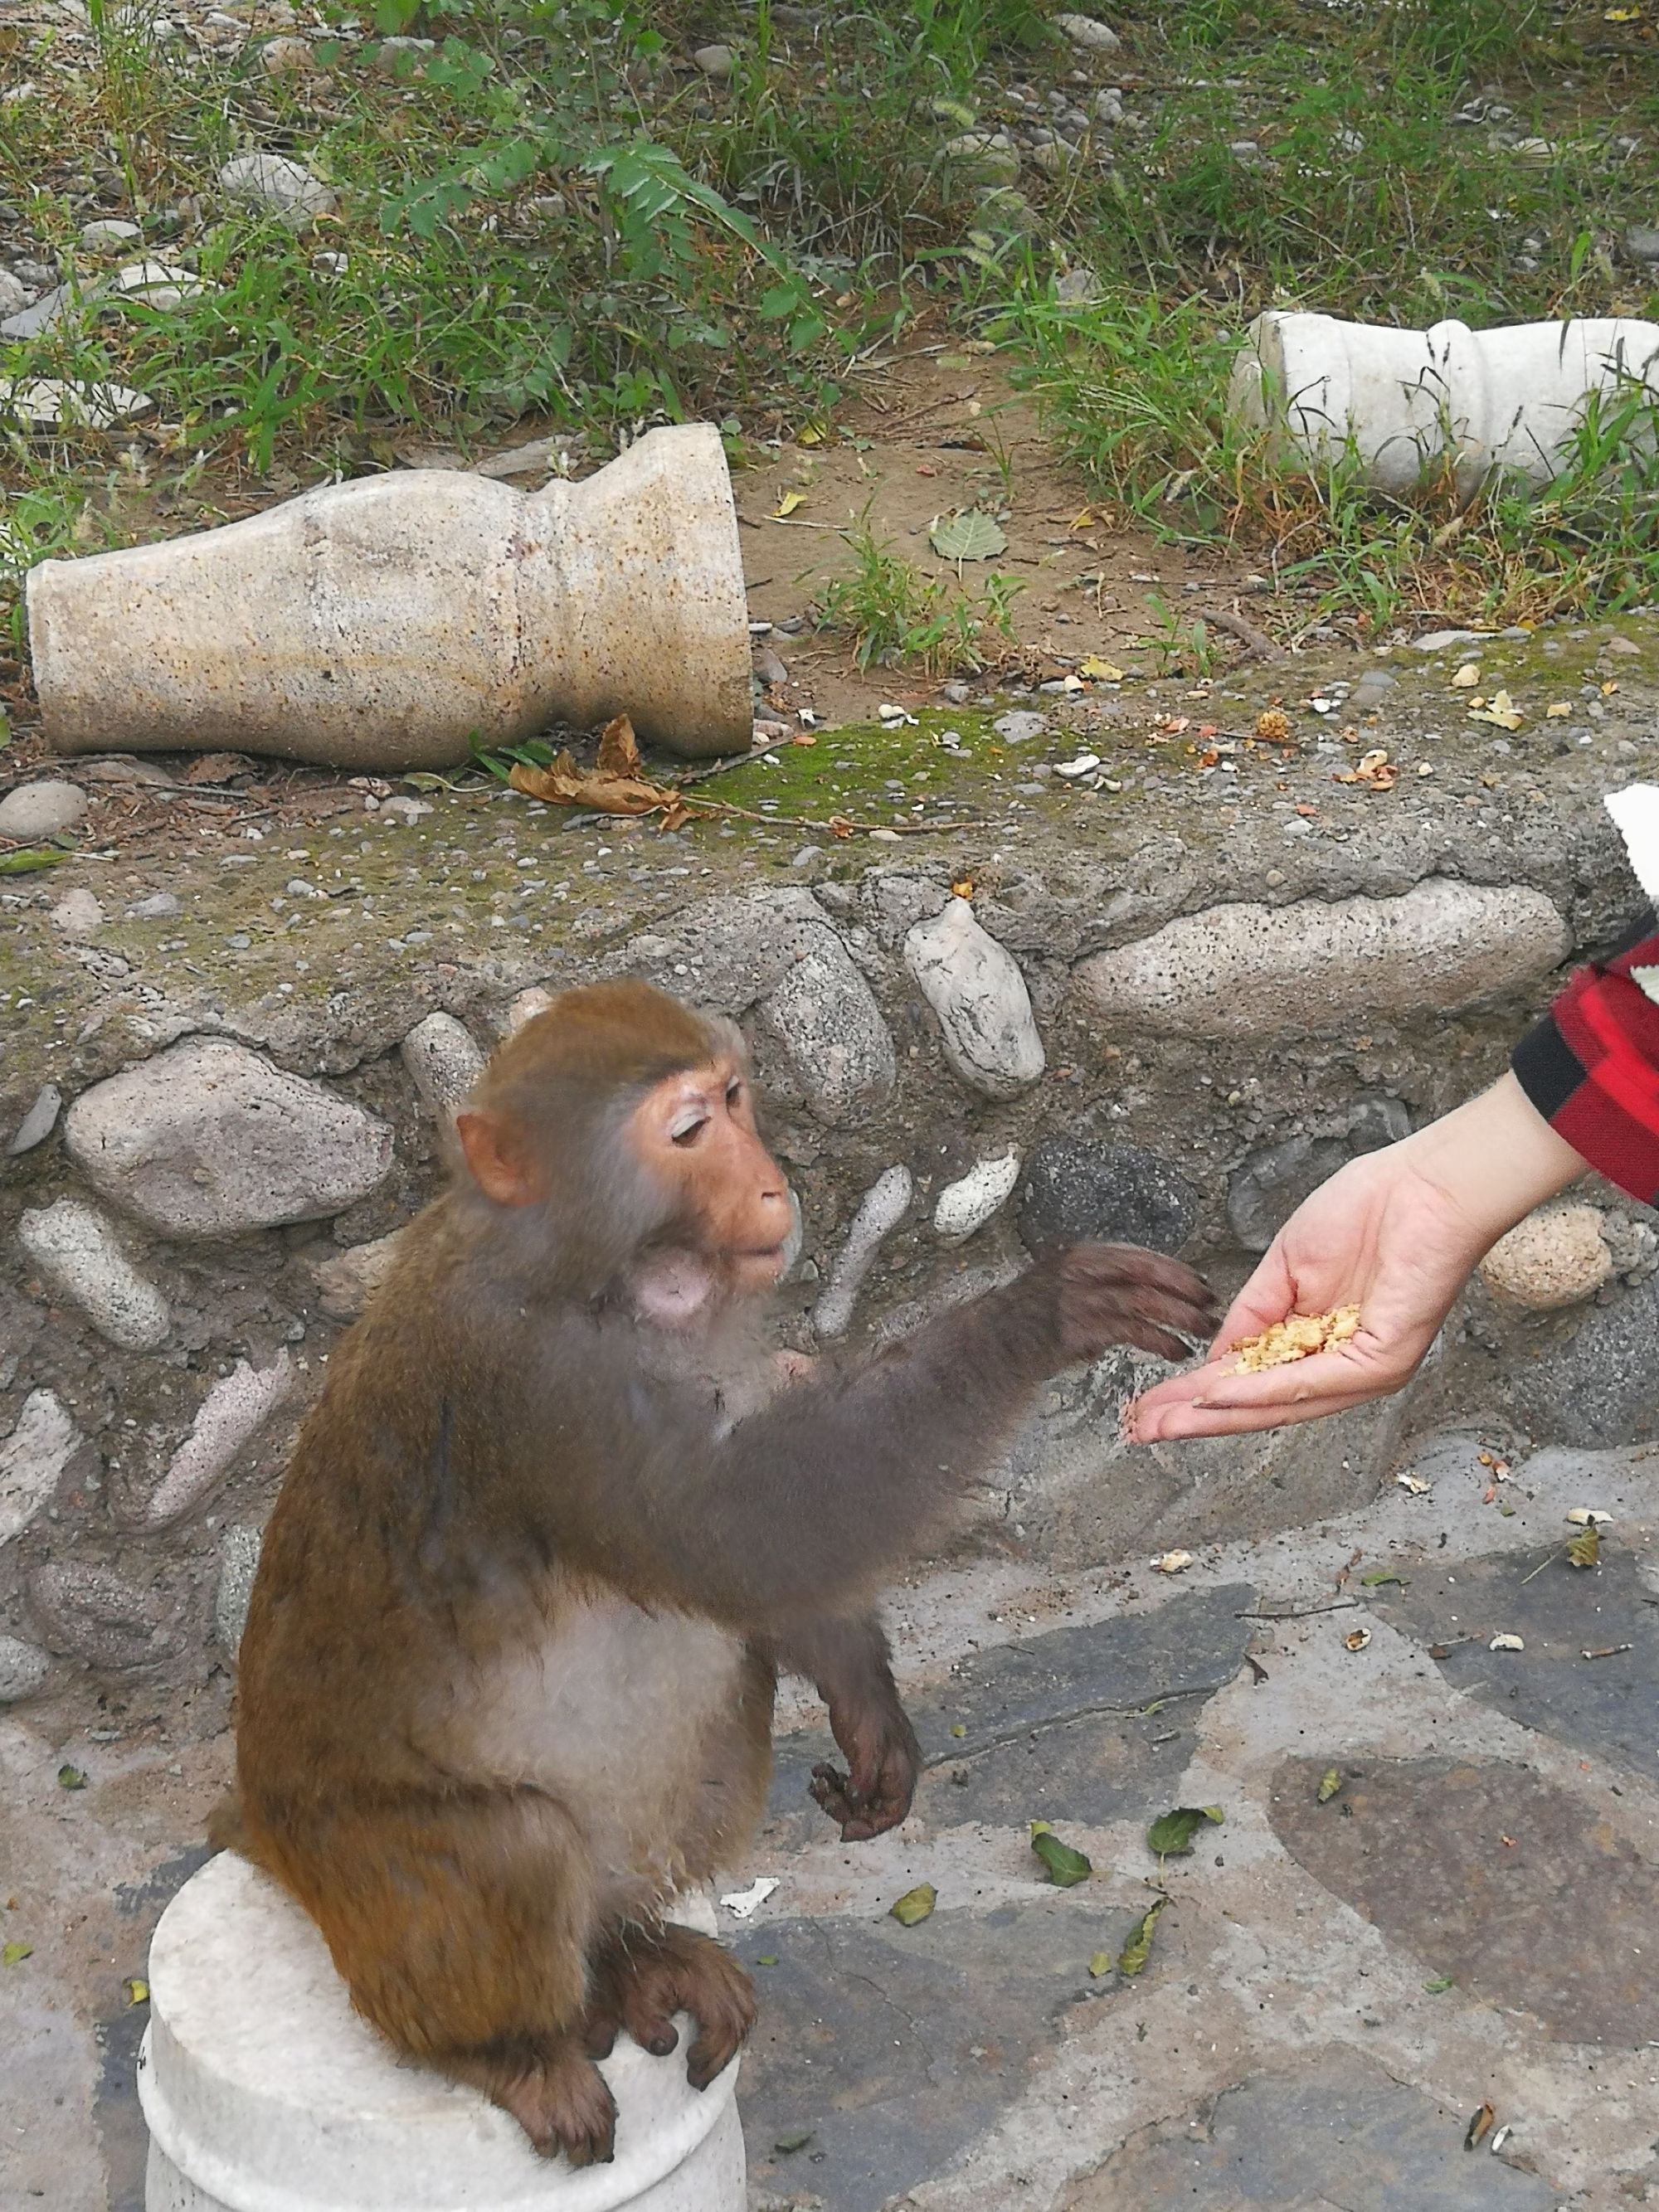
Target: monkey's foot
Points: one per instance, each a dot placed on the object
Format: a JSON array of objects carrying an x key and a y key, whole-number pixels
[
  {"x": 642, "y": 1976},
  {"x": 557, "y": 2095}
]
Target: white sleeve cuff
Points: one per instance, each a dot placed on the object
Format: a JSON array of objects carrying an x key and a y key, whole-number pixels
[{"x": 1636, "y": 815}]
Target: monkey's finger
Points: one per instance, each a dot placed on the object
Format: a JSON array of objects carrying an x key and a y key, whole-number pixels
[
  {"x": 599, "y": 2031},
  {"x": 718, "y": 2042},
  {"x": 832, "y": 1793},
  {"x": 645, "y": 2004}
]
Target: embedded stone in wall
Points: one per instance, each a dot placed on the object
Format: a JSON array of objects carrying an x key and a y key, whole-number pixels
[
  {"x": 239, "y": 1562},
  {"x": 1256, "y": 971},
  {"x": 1271, "y": 1183},
  {"x": 33, "y": 1459},
  {"x": 443, "y": 1063},
  {"x": 346, "y": 1283},
  {"x": 824, "y": 1017},
  {"x": 23, "y": 1668},
  {"x": 880, "y": 1211},
  {"x": 525, "y": 1006},
  {"x": 1081, "y": 1189},
  {"x": 969, "y": 1203},
  {"x": 1556, "y": 1257},
  {"x": 77, "y": 1250},
  {"x": 1599, "y": 1385},
  {"x": 102, "y": 1618},
  {"x": 973, "y": 985},
  {"x": 37, "y": 1124},
  {"x": 228, "y": 1419},
  {"x": 210, "y": 1139}
]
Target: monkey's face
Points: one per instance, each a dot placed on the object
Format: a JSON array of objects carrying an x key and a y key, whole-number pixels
[{"x": 693, "y": 1136}]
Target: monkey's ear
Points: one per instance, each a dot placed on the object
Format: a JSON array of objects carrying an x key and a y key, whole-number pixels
[{"x": 498, "y": 1158}]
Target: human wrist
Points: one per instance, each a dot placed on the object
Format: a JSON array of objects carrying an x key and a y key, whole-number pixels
[{"x": 1494, "y": 1160}]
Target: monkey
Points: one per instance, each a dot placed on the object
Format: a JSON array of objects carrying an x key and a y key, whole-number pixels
[{"x": 552, "y": 1530}]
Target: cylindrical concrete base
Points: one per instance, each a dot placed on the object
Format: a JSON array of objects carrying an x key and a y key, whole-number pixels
[{"x": 265, "y": 2092}]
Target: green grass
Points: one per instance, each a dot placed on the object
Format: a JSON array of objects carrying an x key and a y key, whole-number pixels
[{"x": 553, "y": 223}]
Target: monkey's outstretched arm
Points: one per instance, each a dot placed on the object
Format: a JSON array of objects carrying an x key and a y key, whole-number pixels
[{"x": 810, "y": 1506}]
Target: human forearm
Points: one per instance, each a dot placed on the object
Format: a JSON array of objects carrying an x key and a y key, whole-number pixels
[{"x": 1494, "y": 1158}]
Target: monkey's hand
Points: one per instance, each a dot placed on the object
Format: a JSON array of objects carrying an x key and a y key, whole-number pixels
[
  {"x": 885, "y": 1760},
  {"x": 1096, "y": 1296}
]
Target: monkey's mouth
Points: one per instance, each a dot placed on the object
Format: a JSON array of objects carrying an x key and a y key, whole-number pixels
[{"x": 765, "y": 1260}]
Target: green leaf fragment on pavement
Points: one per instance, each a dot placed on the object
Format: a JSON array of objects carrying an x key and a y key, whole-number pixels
[
  {"x": 14, "y": 1954},
  {"x": 969, "y": 536},
  {"x": 916, "y": 1904},
  {"x": 32, "y": 857},
  {"x": 1438, "y": 1989},
  {"x": 797, "y": 2139},
  {"x": 1171, "y": 1834},
  {"x": 1382, "y": 1575},
  {"x": 1329, "y": 1783},
  {"x": 70, "y": 1777},
  {"x": 1139, "y": 1948},
  {"x": 1066, "y": 1867},
  {"x": 1100, "y": 1964}
]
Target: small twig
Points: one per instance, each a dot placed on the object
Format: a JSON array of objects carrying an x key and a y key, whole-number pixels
[
  {"x": 836, "y": 825},
  {"x": 1607, "y": 1651},
  {"x": 1536, "y": 1572},
  {"x": 1302, "y": 1611},
  {"x": 732, "y": 760},
  {"x": 1263, "y": 647}
]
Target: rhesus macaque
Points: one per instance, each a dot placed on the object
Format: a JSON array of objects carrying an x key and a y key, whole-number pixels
[{"x": 553, "y": 1528}]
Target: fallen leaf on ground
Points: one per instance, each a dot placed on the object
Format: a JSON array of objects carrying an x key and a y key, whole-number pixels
[
  {"x": 1414, "y": 1484},
  {"x": 743, "y": 1902},
  {"x": 1585, "y": 1550},
  {"x": 70, "y": 1777},
  {"x": 1101, "y": 671},
  {"x": 797, "y": 2139},
  {"x": 1066, "y": 1867},
  {"x": 31, "y": 857},
  {"x": 612, "y": 786},
  {"x": 1465, "y": 677},
  {"x": 1329, "y": 1783},
  {"x": 1171, "y": 1834},
  {"x": 787, "y": 505},
  {"x": 1100, "y": 1964},
  {"x": 137, "y": 1991},
  {"x": 1375, "y": 769},
  {"x": 1506, "y": 1642},
  {"x": 1478, "y": 2127},
  {"x": 14, "y": 1954},
  {"x": 916, "y": 1904},
  {"x": 1139, "y": 1948},
  {"x": 1500, "y": 2139},
  {"x": 969, "y": 536},
  {"x": 1356, "y": 1639},
  {"x": 1499, "y": 709},
  {"x": 1559, "y": 709},
  {"x": 1172, "y": 1563},
  {"x": 1439, "y": 1988},
  {"x": 1382, "y": 1575},
  {"x": 1588, "y": 1517}
]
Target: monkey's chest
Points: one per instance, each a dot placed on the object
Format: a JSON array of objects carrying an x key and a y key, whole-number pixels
[{"x": 653, "y": 1731}]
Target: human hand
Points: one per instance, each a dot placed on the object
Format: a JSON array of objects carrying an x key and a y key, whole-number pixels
[{"x": 1394, "y": 1233}]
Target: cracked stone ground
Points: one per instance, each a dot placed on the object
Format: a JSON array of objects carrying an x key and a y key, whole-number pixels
[{"x": 1333, "y": 1991}]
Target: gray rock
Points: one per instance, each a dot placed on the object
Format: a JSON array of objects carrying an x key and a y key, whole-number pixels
[
  {"x": 50, "y": 307},
  {"x": 1316, "y": 966},
  {"x": 37, "y": 1124},
  {"x": 281, "y": 187},
  {"x": 715, "y": 62},
  {"x": 1271, "y": 1183},
  {"x": 969, "y": 1202},
  {"x": 346, "y": 1283},
  {"x": 443, "y": 1063},
  {"x": 228, "y": 1419},
  {"x": 1642, "y": 242},
  {"x": 239, "y": 1563},
  {"x": 992, "y": 153},
  {"x": 1085, "y": 32},
  {"x": 23, "y": 1668},
  {"x": 1108, "y": 106},
  {"x": 1084, "y": 1189},
  {"x": 881, "y": 1209},
  {"x": 41, "y": 810},
  {"x": 33, "y": 1460},
  {"x": 13, "y": 296},
  {"x": 1599, "y": 1386},
  {"x": 401, "y": 58},
  {"x": 525, "y": 1008},
  {"x": 102, "y": 1618},
  {"x": 156, "y": 906},
  {"x": 77, "y": 914},
  {"x": 770, "y": 666},
  {"x": 108, "y": 234},
  {"x": 825, "y": 1019},
  {"x": 78, "y": 1253},
  {"x": 209, "y": 1140},
  {"x": 974, "y": 987},
  {"x": 1018, "y": 724}
]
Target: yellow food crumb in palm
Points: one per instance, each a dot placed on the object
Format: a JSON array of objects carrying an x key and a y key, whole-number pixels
[{"x": 1299, "y": 1336}]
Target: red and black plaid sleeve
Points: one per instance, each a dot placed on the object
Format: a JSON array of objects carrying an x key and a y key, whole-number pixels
[{"x": 1591, "y": 1066}]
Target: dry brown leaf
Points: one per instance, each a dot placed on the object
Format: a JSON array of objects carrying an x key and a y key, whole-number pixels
[
  {"x": 619, "y": 749},
  {"x": 563, "y": 784}
]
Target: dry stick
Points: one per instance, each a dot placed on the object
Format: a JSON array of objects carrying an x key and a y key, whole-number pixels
[
  {"x": 836, "y": 824},
  {"x": 733, "y": 760},
  {"x": 1263, "y": 647}
]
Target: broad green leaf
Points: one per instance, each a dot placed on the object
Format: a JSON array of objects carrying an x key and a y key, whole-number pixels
[
  {"x": 969, "y": 536},
  {"x": 1329, "y": 1783},
  {"x": 797, "y": 2139},
  {"x": 1585, "y": 1551},
  {"x": 1100, "y": 1964},
  {"x": 14, "y": 1954},
  {"x": 1139, "y": 1948},
  {"x": 70, "y": 1777},
  {"x": 1382, "y": 1575},
  {"x": 1066, "y": 1867},
  {"x": 916, "y": 1904},
  {"x": 1171, "y": 1834},
  {"x": 1439, "y": 1988},
  {"x": 25, "y": 863},
  {"x": 137, "y": 1991}
]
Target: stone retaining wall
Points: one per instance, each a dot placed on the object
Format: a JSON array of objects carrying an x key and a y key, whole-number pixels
[{"x": 203, "y": 1186}]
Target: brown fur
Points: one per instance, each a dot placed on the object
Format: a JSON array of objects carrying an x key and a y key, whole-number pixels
[{"x": 507, "y": 1677}]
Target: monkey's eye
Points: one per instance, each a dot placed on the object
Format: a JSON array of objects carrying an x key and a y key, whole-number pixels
[
  {"x": 687, "y": 1130},
  {"x": 734, "y": 1091}
]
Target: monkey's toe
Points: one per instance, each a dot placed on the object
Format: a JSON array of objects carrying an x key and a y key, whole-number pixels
[{"x": 560, "y": 2101}]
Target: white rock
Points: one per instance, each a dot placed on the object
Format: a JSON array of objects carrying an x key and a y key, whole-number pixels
[
  {"x": 154, "y": 906},
  {"x": 825, "y": 1016},
  {"x": 1313, "y": 967},
  {"x": 715, "y": 62},
  {"x": 41, "y": 810},
  {"x": 239, "y": 1562},
  {"x": 209, "y": 1140},
  {"x": 13, "y": 298},
  {"x": 33, "y": 1460},
  {"x": 1018, "y": 724},
  {"x": 1085, "y": 31},
  {"x": 526, "y": 1007},
  {"x": 284, "y": 188},
  {"x": 975, "y": 988},
  {"x": 404, "y": 810},
  {"x": 880, "y": 1211},
  {"x": 53, "y": 403},
  {"x": 78, "y": 1253},
  {"x": 443, "y": 1062},
  {"x": 346, "y": 1282},
  {"x": 157, "y": 283},
  {"x": 23, "y": 1668},
  {"x": 1556, "y": 1257},
  {"x": 108, "y": 234},
  {"x": 228, "y": 1419},
  {"x": 967, "y": 1204},
  {"x": 77, "y": 914},
  {"x": 37, "y": 1124}
]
